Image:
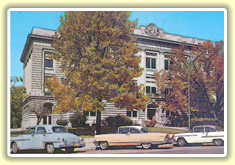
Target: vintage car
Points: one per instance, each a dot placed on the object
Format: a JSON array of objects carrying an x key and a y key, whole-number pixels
[
  {"x": 201, "y": 134},
  {"x": 48, "y": 137},
  {"x": 132, "y": 136}
]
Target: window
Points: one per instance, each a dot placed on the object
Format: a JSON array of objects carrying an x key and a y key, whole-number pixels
[
  {"x": 150, "y": 63},
  {"x": 47, "y": 92},
  {"x": 59, "y": 129},
  {"x": 150, "y": 90},
  {"x": 209, "y": 129},
  {"x": 49, "y": 119},
  {"x": 32, "y": 130},
  {"x": 89, "y": 113},
  {"x": 168, "y": 65},
  {"x": 131, "y": 113},
  {"x": 144, "y": 130},
  {"x": 147, "y": 62},
  {"x": 92, "y": 113},
  {"x": 153, "y": 89},
  {"x": 153, "y": 63},
  {"x": 49, "y": 63},
  {"x": 133, "y": 130},
  {"x": 198, "y": 129},
  {"x": 123, "y": 130},
  {"x": 45, "y": 120},
  {"x": 151, "y": 53},
  {"x": 41, "y": 130}
]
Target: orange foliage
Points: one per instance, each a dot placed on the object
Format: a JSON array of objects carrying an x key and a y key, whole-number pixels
[{"x": 206, "y": 79}]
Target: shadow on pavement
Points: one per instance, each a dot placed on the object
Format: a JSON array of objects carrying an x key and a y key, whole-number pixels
[{"x": 44, "y": 152}]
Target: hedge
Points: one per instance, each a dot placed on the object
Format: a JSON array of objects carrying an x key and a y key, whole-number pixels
[
  {"x": 91, "y": 130},
  {"x": 62, "y": 122},
  {"x": 117, "y": 121},
  {"x": 206, "y": 121}
]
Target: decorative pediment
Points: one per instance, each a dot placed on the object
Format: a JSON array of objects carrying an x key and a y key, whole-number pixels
[{"x": 152, "y": 30}]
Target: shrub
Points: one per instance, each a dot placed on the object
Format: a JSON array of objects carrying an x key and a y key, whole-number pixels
[
  {"x": 117, "y": 121},
  {"x": 62, "y": 122},
  {"x": 78, "y": 119},
  {"x": 91, "y": 130}
]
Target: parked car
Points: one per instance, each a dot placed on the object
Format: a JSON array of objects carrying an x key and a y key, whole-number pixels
[
  {"x": 132, "y": 136},
  {"x": 48, "y": 137},
  {"x": 201, "y": 134}
]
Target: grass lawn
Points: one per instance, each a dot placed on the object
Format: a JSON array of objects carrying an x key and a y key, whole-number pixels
[{"x": 166, "y": 130}]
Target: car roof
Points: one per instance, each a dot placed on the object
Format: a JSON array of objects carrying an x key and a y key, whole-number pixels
[
  {"x": 45, "y": 125},
  {"x": 205, "y": 126},
  {"x": 138, "y": 127}
]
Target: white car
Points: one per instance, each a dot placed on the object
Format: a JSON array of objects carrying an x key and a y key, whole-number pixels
[{"x": 201, "y": 134}]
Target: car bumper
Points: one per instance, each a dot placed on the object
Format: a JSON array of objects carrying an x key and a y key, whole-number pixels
[{"x": 75, "y": 145}]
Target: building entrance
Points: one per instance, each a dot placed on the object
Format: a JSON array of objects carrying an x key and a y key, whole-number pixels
[{"x": 151, "y": 111}]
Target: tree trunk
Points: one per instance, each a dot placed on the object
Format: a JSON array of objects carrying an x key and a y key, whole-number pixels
[
  {"x": 38, "y": 120},
  {"x": 98, "y": 122}
]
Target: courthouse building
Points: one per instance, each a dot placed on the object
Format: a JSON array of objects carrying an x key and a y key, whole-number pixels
[{"x": 154, "y": 43}]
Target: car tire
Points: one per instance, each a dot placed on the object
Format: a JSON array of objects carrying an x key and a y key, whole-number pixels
[
  {"x": 50, "y": 149},
  {"x": 69, "y": 150},
  {"x": 181, "y": 142},
  {"x": 104, "y": 145},
  {"x": 218, "y": 142},
  {"x": 15, "y": 148},
  {"x": 146, "y": 145}
]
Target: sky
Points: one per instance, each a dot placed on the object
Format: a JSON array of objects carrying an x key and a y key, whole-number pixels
[{"x": 208, "y": 25}]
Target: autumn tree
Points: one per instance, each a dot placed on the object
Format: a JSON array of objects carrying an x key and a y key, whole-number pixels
[
  {"x": 98, "y": 58},
  {"x": 18, "y": 93},
  {"x": 206, "y": 66}
]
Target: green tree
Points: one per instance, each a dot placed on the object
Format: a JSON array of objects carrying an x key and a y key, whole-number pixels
[
  {"x": 98, "y": 58},
  {"x": 17, "y": 96}
]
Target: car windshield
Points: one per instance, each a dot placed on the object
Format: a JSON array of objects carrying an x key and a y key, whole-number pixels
[
  {"x": 144, "y": 130},
  {"x": 59, "y": 129}
]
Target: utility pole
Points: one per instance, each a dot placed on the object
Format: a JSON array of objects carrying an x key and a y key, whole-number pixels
[{"x": 189, "y": 93}]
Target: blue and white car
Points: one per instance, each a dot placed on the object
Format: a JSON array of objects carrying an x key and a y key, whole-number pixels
[{"x": 48, "y": 137}]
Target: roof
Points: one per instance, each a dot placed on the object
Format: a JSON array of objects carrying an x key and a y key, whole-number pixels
[
  {"x": 149, "y": 32},
  {"x": 37, "y": 33}
]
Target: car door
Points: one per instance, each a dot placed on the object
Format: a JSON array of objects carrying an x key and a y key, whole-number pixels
[
  {"x": 27, "y": 142},
  {"x": 208, "y": 135},
  {"x": 38, "y": 138},
  {"x": 196, "y": 136},
  {"x": 122, "y": 138},
  {"x": 135, "y": 137}
]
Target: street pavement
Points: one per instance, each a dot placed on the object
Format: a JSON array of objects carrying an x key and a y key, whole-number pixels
[
  {"x": 89, "y": 145},
  {"x": 90, "y": 148}
]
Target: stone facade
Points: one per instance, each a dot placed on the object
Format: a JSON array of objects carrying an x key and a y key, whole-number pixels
[{"x": 154, "y": 46}]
